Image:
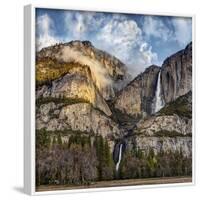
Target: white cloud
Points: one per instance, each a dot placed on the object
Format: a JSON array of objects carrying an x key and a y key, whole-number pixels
[
  {"x": 183, "y": 30},
  {"x": 79, "y": 24},
  {"x": 75, "y": 25},
  {"x": 99, "y": 72},
  {"x": 154, "y": 26},
  {"x": 116, "y": 34},
  {"x": 123, "y": 38},
  {"x": 148, "y": 55},
  {"x": 44, "y": 28},
  {"x": 179, "y": 29}
]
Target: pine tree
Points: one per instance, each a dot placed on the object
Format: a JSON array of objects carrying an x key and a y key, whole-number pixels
[
  {"x": 54, "y": 140},
  {"x": 108, "y": 165},
  {"x": 99, "y": 152},
  {"x": 107, "y": 153},
  {"x": 59, "y": 140},
  {"x": 71, "y": 140},
  {"x": 48, "y": 141}
]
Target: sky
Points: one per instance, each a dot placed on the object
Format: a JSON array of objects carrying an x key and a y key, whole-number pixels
[{"x": 137, "y": 40}]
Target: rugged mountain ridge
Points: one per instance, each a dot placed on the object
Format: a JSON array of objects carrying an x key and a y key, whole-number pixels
[
  {"x": 138, "y": 97},
  {"x": 71, "y": 96},
  {"x": 114, "y": 72}
]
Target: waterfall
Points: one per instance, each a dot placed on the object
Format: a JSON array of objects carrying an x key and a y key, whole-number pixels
[
  {"x": 120, "y": 157},
  {"x": 158, "y": 95}
]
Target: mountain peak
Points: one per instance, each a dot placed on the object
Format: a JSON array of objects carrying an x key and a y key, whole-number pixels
[{"x": 85, "y": 43}]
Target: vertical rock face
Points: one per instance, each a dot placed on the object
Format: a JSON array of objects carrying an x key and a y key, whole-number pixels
[
  {"x": 177, "y": 74},
  {"x": 138, "y": 97}
]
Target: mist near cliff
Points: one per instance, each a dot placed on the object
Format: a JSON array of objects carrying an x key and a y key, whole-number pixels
[{"x": 100, "y": 74}]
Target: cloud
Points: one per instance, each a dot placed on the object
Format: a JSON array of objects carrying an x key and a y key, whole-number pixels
[
  {"x": 175, "y": 29},
  {"x": 154, "y": 26},
  {"x": 134, "y": 42},
  {"x": 45, "y": 32},
  {"x": 117, "y": 34},
  {"x": 147, "y": 53},
  {"x": 79, "y": 24},
  {"x": 123, "y": 38},
  {"x": 182, "y": 30},
  {"x": 99, "y": 72}
]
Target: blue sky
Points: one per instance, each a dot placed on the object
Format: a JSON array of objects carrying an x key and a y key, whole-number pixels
[{"x": 137, "y": 40}]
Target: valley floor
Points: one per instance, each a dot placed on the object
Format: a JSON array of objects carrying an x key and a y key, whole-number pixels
[{"x": 127, "y": 182}]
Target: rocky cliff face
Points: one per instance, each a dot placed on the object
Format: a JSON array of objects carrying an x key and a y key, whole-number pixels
[
  {"x": 169, "y": 130},
  {"x": 82, "y": 89},
  {"x": 76, "y": 84},
  {"x": 108, "y": 73},
  {"x": 76, "y": 117},
  {"x": 160, "y": 125},
  {"x": 176, "y": 74},
  {"x": 137, "y": 98},
  {"x": 164, "y": 144},
  {"x": 73, "y": 82}
]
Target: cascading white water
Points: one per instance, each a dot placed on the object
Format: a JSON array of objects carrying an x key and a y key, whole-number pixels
[
  {"x": 120, "y": 157},
  {"x": 158, "y": 96}
]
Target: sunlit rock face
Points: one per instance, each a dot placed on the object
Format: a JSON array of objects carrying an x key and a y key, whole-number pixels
[
  {"x": 108, "y": 73},
  {"x": 177, "y": 74},
  {"x": 75, "y": 85},
  {"x": 75, "y": 80}
]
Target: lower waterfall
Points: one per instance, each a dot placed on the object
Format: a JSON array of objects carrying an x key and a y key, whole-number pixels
[{"x": 120, "y": 157}]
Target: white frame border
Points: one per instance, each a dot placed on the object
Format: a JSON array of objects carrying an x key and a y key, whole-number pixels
[{"x": 29, "y": 101}]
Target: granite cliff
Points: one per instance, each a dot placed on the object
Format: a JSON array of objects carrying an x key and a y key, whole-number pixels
[
  {"x": 138, "y": 97},
  {"x": 169, "y": 130},
  {"x": 176, "y": 75},
  {"x": 82, "y": 89}
]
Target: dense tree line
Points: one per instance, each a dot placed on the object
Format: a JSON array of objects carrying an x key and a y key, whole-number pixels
[
  {"x": 84, "y": 159},
  {"x": 135, "y": 164},
  {"x": 105, "y": 162},
  {"x": 81, "y": 160}
]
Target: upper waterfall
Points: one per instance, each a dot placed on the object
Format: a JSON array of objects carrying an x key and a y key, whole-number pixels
[{"x": 159, "y": 103}]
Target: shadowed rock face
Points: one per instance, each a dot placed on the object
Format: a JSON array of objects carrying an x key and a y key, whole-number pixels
[
  {"x": 171, "y": 128},
  {"x": 177, "y": 74},
  {"x": 137, "y": 98}
]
